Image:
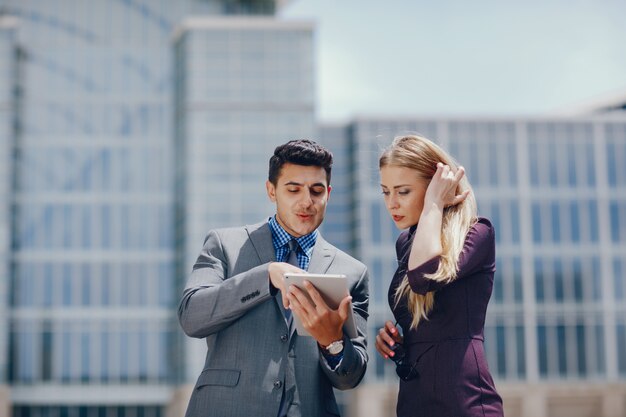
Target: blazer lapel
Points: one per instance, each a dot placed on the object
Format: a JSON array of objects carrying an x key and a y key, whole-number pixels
[
  {"x": 261, "y": 238},
  {"x": 322, "y": 257}
]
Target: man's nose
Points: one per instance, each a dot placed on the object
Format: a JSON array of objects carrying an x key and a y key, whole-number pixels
[{"x": 306, "y": 199}]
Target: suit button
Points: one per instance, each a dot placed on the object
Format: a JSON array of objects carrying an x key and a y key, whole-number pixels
[
  {"x": 284, "y": 338},
  {"x": 278, "y": 384}
]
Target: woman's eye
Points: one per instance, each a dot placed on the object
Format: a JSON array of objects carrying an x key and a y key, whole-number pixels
[
  {"x": 385, "y": 192},
  {"x": 403, "y": 192}
]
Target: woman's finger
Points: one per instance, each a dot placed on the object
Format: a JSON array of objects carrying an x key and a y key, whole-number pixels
[
  {"x": 393, "y": 331},
  {"x": 383, "y": 348},
  {"x": 386, "y": 337},
  {"x": 459, "y": 174}
]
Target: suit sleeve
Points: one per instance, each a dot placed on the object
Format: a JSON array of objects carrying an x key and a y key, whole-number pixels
[
  {"x": 478, "y": 253},
  {"x": 211, "y": 302},
  {"x": 351, "y": 369}
]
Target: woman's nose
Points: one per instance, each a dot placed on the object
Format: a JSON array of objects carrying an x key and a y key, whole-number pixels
[{"x": 392, "y": 202}]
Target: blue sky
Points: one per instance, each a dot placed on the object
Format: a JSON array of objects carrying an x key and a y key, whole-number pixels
[{"x": 458, "y": 57}]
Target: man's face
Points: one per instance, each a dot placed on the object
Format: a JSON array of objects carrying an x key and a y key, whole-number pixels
[{"x": 301, "y": 194}]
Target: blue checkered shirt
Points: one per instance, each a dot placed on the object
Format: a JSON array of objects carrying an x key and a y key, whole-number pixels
[{"x": 280, "y": 239}]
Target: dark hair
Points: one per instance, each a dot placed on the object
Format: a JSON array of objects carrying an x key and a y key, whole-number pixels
[{"x": 300, "y": 152}]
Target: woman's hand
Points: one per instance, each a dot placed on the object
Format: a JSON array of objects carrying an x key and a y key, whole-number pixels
[
  {"x": 386, "y": 338},
  {"x": 442, "y": 188}
]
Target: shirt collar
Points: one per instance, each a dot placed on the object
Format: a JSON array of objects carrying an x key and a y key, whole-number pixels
[{"x": 280, "y": 237}]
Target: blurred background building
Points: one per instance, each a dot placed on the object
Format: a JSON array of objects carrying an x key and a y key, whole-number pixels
[
  {"x": 555, "y": 190},
  {"x": 128, "y": 128}
]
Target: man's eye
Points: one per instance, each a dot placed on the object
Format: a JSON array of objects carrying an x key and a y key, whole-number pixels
[{"x": 292, "y": 190}]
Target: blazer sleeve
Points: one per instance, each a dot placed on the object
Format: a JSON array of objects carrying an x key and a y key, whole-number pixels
[
  {"x": 478, "y": 253},
  {"x": 352, "y": 367},
  {"x": 210, "y": 302}
]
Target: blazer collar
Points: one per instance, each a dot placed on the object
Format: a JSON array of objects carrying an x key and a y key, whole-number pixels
[
  {"x": 261, "y": 238},
  {"x": 322, "y": 257}
]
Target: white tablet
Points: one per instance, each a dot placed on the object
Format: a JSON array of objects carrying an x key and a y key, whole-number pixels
[{"x": 333, "y": 289}]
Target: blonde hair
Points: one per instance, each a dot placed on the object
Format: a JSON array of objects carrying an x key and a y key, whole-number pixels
[{"x": 422, "y": 155}]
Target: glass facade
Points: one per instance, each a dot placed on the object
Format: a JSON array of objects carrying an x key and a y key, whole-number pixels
[
  {"x": 339, "y": 226},
  {"x": 92, "y": 260},
  {"x": 127, "y": 131},
  {"x": 8, "y": 53},
  {"x": 555, "y": 191},
  {"x": 243, "y": 86},
  {"x": 88, "y": 215}
]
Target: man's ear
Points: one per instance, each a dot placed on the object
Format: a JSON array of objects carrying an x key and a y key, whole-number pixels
[
  {"x": 271, "y": 190},
  {"x": 329, "y": 190}
]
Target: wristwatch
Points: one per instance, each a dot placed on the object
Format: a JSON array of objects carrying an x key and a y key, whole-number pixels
[{"x": 335, "y": 348}]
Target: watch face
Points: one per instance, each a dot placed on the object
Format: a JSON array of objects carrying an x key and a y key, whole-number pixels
[{"x": 335, "y": 347}]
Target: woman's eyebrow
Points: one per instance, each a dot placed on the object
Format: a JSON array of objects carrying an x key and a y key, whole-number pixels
[{"x": 396, "y": 186}]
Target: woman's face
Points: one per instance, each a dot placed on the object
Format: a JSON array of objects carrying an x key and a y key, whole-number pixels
[{"x": 404, "y": 192}]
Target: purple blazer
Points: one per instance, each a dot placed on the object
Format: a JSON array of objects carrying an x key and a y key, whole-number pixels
[{"x": 447, "y": 349}]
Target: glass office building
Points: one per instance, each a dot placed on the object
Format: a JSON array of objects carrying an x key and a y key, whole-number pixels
[
  {"x": 243, "y": 86},
  {"x": 88, "y": 286},
  {"x": 128, "y": 128},
  {"x": 556, "y": 193},
  {"x": 8, "y": 75}
]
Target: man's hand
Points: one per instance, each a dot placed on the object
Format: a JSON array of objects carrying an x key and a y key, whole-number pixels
[
  {"x": 321, "y": 321},
  {"x": 277, "y": 272}
]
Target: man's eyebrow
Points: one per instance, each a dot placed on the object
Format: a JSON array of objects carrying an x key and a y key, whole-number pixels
[{"x": 299, "y": 184}]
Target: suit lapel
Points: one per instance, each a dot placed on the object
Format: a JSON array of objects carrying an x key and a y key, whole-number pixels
[
  {"x": 261, "y": 238},
  {"x": 322, "y": 257}
]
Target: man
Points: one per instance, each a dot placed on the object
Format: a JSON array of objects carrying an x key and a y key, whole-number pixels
[{"x": 236, "y": 298}]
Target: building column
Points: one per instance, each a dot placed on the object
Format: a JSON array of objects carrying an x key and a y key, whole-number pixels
[
  {"x": 5, "y": 401},
  {"x": 373, "y": 400},
  {"x": 178, "y": 403},
  {"x": 614, "y": 402},
  {"x": 534, "y": 402}
]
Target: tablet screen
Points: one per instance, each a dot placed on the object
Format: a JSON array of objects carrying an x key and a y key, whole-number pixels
[{"x": 333, "y": 289}]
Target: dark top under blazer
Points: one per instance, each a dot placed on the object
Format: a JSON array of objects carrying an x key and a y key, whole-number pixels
[{"x": 454, "y": 379}]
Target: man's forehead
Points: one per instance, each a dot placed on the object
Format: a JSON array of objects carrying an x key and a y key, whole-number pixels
[{"x": 302, "y": 175}]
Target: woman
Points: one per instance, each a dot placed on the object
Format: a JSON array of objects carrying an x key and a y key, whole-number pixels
[{"x": 440, "y": 291}]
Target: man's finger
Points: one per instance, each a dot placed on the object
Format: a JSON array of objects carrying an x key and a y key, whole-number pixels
[
  {"x": 344, "y": 308},
  {"x": 285, "y": 300},
  {"x": 298, "y": 294},
  {"x": 315, "y": 295}
]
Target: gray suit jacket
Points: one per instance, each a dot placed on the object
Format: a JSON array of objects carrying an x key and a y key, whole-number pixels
[{"x": 227, "y": 301}]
